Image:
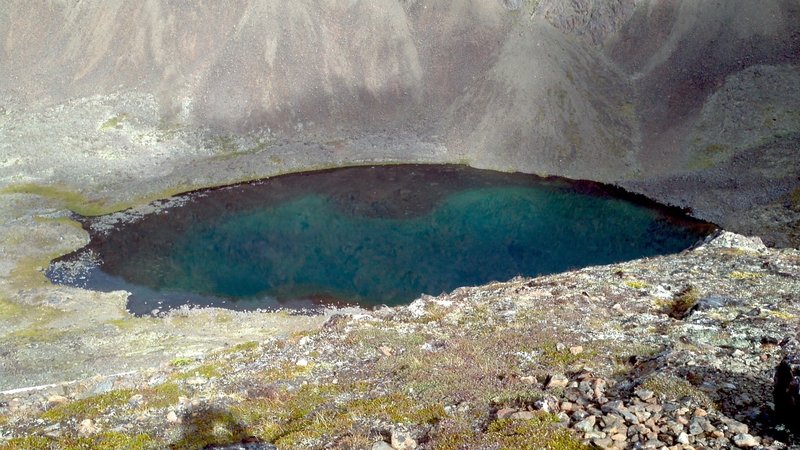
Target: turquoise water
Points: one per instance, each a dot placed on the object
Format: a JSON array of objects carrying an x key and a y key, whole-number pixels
[{"x": 373, "y": 236}]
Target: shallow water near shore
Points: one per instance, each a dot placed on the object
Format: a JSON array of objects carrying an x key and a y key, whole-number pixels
[{"x": 368, "y": 236}]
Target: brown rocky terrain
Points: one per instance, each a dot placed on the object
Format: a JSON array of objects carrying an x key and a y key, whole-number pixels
[{"x": 109, "y": 105}]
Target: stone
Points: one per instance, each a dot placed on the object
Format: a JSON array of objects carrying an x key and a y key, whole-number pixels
[
  {"x": 87, "y": 428},
  {"x": 576, "y": 350},
  {"x": 55, "y": 400},
  {"x": 172, "y": 417},
  {"x": 557, "y": 380},
  {"x": 302, "y": 362},
  {"x": 734, "y": 426},
  {"x": 548, "y": 404},
  {"x": 586, "y": 424},
  {"x": 103, "y": 386},
  {"x": 513, "y": 5},
  {"x": 644, "y": 394},
  {"x": 53, "y": 431},
  {"x": 523, "y": 415},
  {"x": 745, "y": 441},
  {"x": 714, "y": 302},
  {"x": 594, "y": 434},
  {"x": 695, "y": 427},
  {"x": 654, "y": 443},
  {"x": 726, "y": 239},
  {"x": 402, "y": 439},
  {"x": 196, "y": 381},
  {"x": 505, "y": 413},
  {"x": 245, "y": 446},
  {"x": 683, "y": 438},
  {"x": 381, "y": 445},
  {"x": 603, "y": 443}
]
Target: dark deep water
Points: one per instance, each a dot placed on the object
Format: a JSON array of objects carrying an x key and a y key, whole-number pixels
[{"x": 368, "y": 236}]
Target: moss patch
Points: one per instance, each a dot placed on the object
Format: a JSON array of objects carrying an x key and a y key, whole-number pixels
[
  {"x": 106, "y": 440},
  {"x": 739, "y": 275},
  {"x": 672, "y": 388},
  {"x": 114, "y": 122},
  {"x": 164, "y": 395},
  {"x": 66, "y": 197},
  {"x": 794, "y": 198},
  {"x": 636, "y": 284},
  {"x": 90, "y": 407},
  {"x": 541, "y": 432}
]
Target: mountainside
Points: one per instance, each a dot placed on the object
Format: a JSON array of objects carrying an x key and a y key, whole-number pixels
[{"x": 640, "y": 93}]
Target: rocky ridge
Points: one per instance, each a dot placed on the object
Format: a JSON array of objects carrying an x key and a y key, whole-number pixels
[{"x": 673, "y": 352}]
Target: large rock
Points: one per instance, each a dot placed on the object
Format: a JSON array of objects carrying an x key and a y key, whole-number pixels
[{"x": 787, "y": 391}]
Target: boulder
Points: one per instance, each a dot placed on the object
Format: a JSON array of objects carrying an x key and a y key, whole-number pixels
[{"x": 786, "y": 392}]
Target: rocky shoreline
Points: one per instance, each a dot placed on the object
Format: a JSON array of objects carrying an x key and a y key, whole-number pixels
[{"x": 675, "y": 352}]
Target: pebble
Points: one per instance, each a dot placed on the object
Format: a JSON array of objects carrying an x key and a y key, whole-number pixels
[
  {"x": 172, "y": 417},
  {"x": 402, "y": 440},
  {"x": 381, "y": 445}
]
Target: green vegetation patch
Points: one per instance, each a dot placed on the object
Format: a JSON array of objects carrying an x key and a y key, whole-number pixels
[
  {"x": 181, "y": 362},
  {"x": 210, "y": 426},
  {"x": 105, "y": 441},
  {"x": 314, "y": 414},
  {"x": 164, "y": 395},
  {"x": 81, "y": 205},
  {"x": 90, "y": 407},
  {"x": 542, "y": 432},
  {"x": 670, "y": 387},
  {"x": 564, "y": 358},
  {"x": 208, "y": 370},
  {"x": 114, "y": 122},
  {"x": 395, "y": 408},
  {"x": 682, "y": 303},
  {"x": 794, "y": 198},
  {"x": 741, "y": 275}
]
